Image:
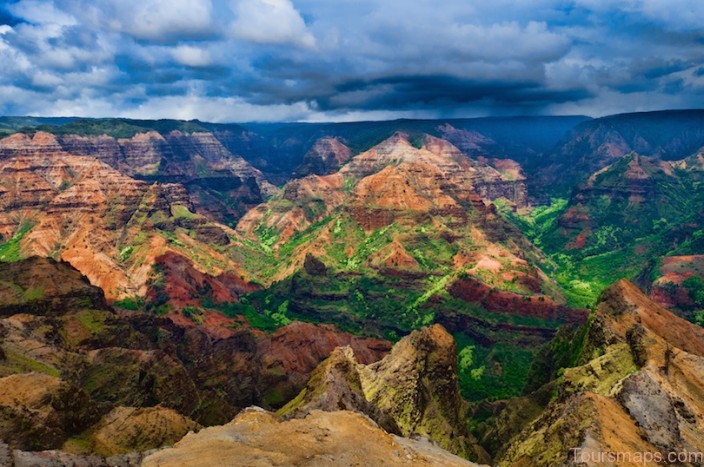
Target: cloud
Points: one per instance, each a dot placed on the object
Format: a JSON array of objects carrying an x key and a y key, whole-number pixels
[
  {"x": 677, "y": 15},
  {"x": 314, "y": 60},
  {"x": 163, "y": 21},
  {"x": 41, "y": 12},
  {"x": 191, "y": 56},
  {"x": 270, "y": 22}
]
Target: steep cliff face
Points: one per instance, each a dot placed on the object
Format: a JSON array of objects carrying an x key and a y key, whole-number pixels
[
  {"x": 412, "y": 392},
  {"x": 108, "y": 225},
  {"x": 218, "y": 182},
  {"x": 469, "y": 142},
  {"x": 636, "y": 392},
  {"x": 407, "y": 194},
  {"x": 394, "y": 229},
  {"x": 44, "y": 286},
  {"x": 468, "y": 174},
  {"x": 511, "y": 182},
  {"x": 323, "y": 158},
  {"x": 500, "y": 301},
  {"x": 127, "y": 430},
  {"x": 678, "y": 284},
  {"x": 392, "y": 180},
  {"x": 623, "y": 219},
  {"x": 628, "y": 192},
  {"x": 113, "y": 227}
]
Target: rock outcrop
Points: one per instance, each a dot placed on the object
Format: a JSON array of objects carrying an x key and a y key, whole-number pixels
[
  {"x": 595, "y": 144},
  {"x": 322, "y": 438},
  {"x": 108, "y": 225},
  {"x": 407, "y": 194},
  {"x": 45, "y": 286},
  {"x": 38, "y": 411},
  {"x": 411, "y": 392},
  {"x": 130, "y": 429},
  {"x": 638, "y": 390}
]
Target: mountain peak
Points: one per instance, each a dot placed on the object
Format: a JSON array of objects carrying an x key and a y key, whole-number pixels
[{"x": 412, "y": 391}]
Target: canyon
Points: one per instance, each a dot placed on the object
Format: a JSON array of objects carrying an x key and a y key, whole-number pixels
[{"x": 498, "y": 291}]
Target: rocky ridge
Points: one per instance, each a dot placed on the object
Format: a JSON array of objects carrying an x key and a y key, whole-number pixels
[
  {"x": 411, "y": 392},
  {"x": 199, "y": 161},
  {"x": 636, "y": 391},
  {"x": 112, "y": 227}
]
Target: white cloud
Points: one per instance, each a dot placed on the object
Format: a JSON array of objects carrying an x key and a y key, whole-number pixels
[
  {"x": 216, "y": 109},
  {"x": 191, "y": 56},
  {"x": 363, "y": 59},
  {"x": 41, "y": 12},
  {"x": 151, "y": 20},
  {"x": 270, "y": 22}
]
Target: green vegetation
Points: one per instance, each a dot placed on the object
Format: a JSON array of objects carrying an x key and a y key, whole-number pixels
[
  {"x": 130, "y": 303},
  {"x": 33, "y": 293},
  {"x": 10, "y": 251},
  {"x": 91, "y": 321},
  {"x": 695, "y": 288},
  {"x": 496, "y": 372},
  {"x": 699, "y": 317},
  {"x": 259, "y": 320},
  {"x": 180, "y": 211},
  {"x": 125, "y": 253},
  {"x": 193, "y": 313},
  {"x": 119, "y": 127},
  {"x": 538, "y": 221},
  {"x": 22, "y": 363},
  {"x": 615, "y": 230}
]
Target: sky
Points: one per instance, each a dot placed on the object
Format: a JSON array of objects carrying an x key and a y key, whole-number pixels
[{"x": 346, "y": 60}]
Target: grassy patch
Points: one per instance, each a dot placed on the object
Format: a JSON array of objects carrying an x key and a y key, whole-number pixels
[
  {"x": 181, "y": 211},
  {"x": 91, "y": 321},
  {"x": 496, "y": 372},
  {"x": 130, "y": 303},
  {"x": 10, "y": 251},
  {"x": 22, "y": 363}
]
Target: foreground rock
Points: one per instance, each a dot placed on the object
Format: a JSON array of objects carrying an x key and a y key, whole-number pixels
[
  {"x": 130, "y": 429},
  {"x": 412, "y": 392},
  {"x": 39, "y": 411},
  {"x": 257, "y": 438}
]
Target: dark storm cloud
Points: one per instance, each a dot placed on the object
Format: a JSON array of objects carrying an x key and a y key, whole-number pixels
[
  {"x": 409, "y": 92},
  {"x": 235, "y": 60}
]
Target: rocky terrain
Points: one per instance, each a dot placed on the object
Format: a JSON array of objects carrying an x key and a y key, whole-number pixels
[
  {"x": 80, "y": 377},
  {"x": 510, "y": 291},
  {"x": 219, "y": 182},
  {"x": 413, "y": 391},
  {"x": 322, "y": 438},
  {"x": 595, "y": 144},
  {"x": 637, "y": 390},
  {"x": 401, "y": 229},
  {"x": 323, "y": 158}
]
